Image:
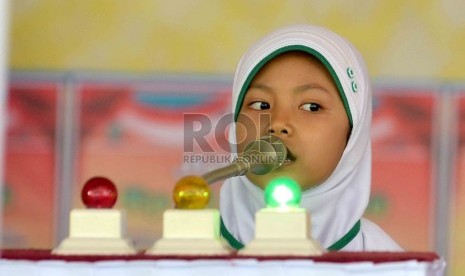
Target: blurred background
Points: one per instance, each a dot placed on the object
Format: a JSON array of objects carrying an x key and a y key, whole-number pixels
[{"x": 101, "y": 88}]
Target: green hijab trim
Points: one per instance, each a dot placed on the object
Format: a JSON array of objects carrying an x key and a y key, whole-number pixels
[{"x": 301, "y": 48}]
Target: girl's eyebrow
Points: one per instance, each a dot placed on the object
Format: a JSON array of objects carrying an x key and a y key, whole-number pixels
[
  {"x": 299, "y": 89},
  {"x": 261, "y": 86},
  {"x": 310, "y": 86}
]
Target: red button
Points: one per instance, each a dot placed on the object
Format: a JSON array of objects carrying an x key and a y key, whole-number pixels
[{"x": 99, "y": 192}]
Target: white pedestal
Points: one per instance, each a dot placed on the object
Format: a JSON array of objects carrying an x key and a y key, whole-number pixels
[
  {"x": 282, "y": 233},
  {"x": 96, "y": 232},
  {"x": 190, "y": 232}
]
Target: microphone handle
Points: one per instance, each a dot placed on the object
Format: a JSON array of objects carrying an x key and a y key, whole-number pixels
[
  {"x": 260, "y": 157},
  {"x": 236, "y": 168}
]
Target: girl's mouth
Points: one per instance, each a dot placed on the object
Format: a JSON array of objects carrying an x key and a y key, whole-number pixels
[{"x": 290, "y": 159}]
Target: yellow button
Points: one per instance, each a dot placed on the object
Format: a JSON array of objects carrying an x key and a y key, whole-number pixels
[{"x": 191, "y": 192}]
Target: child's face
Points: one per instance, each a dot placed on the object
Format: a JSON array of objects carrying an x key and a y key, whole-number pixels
[{"x": 294, "y": 97}]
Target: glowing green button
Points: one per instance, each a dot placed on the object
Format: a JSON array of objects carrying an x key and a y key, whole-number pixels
[{"x": 283, "y": 193}]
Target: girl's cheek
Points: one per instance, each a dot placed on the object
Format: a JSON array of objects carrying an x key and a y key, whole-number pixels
[{"x": 247, "y": 127}]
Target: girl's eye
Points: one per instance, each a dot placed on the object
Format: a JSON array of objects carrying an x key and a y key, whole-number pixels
[
  {"x": 312, "y": 107},
  {"x": 259, "y": 105}
]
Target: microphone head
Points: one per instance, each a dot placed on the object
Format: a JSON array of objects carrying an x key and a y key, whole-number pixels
[{"x": 265, "y": 154}]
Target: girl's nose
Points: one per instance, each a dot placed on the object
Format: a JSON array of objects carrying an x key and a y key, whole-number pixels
[
  {"x": 280, "y": 123},
  {"x": 280, "y": 130}
]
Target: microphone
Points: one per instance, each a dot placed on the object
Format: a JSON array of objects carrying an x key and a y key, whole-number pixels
[{"x": 260, "y": 157}]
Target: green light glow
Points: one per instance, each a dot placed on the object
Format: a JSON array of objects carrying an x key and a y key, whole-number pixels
[{"x": 282, "y": 193}]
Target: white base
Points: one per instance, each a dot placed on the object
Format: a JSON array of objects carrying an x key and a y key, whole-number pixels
[
  {"x": 281, "y": 247},
  {"x": 190, "y": 232},
  {"x": 94, "y": 246},
  {"x": 96, "y": 232},
  {"x": 282, "y": 232},
  {"x": 206, "y": 247}
]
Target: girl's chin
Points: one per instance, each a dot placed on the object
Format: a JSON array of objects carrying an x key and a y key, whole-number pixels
[{"x": 263, "y": 180}]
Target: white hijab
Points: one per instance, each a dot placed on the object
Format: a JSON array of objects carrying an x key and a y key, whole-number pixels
[{"x": 338, "y": 203}]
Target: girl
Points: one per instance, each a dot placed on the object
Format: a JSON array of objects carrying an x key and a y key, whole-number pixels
[{"x": 309, "y": 87}]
